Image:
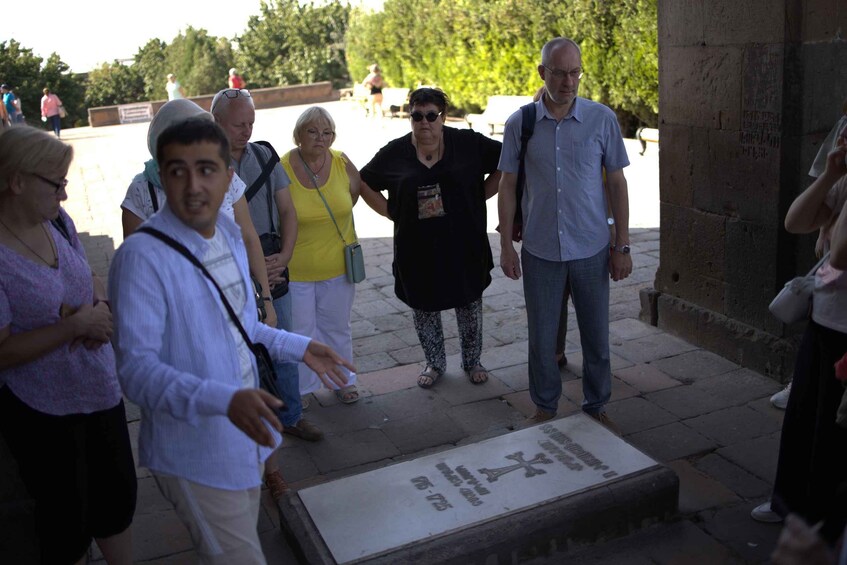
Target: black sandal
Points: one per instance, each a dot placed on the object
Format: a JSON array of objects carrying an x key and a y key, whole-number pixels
[{"x": 429, "y": 373}]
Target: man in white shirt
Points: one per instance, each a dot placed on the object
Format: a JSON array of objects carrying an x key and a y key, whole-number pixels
[{"x": 206, "y": 427}]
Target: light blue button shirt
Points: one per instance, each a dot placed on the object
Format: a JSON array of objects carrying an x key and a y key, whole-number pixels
[
  {"x": 177, "y": 359},
  {"x": 564, "y": 205}
]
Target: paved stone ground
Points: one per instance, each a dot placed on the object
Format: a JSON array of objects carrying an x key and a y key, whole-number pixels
[{"x": 706, "y": 418}]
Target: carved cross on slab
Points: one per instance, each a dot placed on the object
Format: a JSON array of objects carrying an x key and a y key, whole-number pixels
[{"x": 494, "y": 474}]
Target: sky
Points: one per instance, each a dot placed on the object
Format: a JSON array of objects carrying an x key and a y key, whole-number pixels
[{"x": 86, "y": 33}]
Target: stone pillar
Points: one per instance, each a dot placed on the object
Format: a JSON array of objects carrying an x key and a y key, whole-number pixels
[{"x": 747, "y": 92}]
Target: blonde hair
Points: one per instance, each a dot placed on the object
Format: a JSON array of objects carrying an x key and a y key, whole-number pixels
[
  {"x": 309, "y": 117},
  {"x": 25, "y": 149}
]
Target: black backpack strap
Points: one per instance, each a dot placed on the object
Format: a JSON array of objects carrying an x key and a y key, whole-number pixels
[
  {"x": 267, "y": 169},
  {"x": 152, "y": 190},
  {"x": 527, "y": 129}
]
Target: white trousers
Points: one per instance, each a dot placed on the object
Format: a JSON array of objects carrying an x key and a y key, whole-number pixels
[
  {"x": 321, "y": 310},
  {"x": 222, "y": 523}
]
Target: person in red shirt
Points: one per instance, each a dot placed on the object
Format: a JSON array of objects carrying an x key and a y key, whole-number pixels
[{"x": 235, "y": 80}]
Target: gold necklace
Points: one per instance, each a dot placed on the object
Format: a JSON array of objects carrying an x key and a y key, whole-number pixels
[{"x": 54, "y": 263}]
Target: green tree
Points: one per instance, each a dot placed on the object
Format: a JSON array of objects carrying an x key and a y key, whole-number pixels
[
  {"x": 24, "y": 71},
  {"x": 294, "y": 43},
  {"x": 112, "y": 84},
  {"x": 151, "y": 65},
  {"x": 200, "y": 61},
  {"x": 476, "y": 48}
]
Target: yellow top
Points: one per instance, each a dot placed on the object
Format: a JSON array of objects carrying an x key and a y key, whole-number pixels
[{"x": 319, "y": 251}]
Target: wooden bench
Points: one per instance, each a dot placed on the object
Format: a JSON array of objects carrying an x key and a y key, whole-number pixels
[
  {"x": 646, "y": 134},
  {"x": 497, "y": 110}
]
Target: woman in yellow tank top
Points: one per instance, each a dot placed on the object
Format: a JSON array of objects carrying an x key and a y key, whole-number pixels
[{"x": 321, "y": 296}]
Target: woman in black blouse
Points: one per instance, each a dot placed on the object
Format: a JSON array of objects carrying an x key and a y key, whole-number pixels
[{"x": 436, "y": 184}]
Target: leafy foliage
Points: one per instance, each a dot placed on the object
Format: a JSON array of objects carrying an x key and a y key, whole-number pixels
[
  {"x": 473, "y": 49},
  {"x": 294, "y": 43},
  {"x": 24, "y": 71},
  {"x": 113, "y": 83}
]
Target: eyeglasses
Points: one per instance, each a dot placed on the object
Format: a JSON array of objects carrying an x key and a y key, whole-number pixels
[
  {"x": 317, "y": 134},
  {"x": 430, "y": 116},
  {"x": 57, "y": 185},
  {"x": 575, "y": 74}
]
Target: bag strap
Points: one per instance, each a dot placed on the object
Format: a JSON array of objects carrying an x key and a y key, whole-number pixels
[
  {"x": 315, "y": 182},
  {"x": 168, "y": 240},
  {"x": 818, "y": 264},
  {"x": 527, "y": 129},
  {"x": 152, "y": 190},
  {"x": 267, "y": 168}
]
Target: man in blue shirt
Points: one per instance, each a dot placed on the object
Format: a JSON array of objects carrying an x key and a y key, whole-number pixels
[
  {"x": 9, "y": 102},
  {"x": 206, "y": 427},
  {"x": 565, "y": 229}
]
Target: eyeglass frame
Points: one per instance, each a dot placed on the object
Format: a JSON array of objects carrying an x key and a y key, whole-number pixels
[
  {"x": 230, "y": 93},
  {"x": 421, "y": 116},
  {"x": 59, "y": 186},
  {"x": 561, "y": 73},
  {"x": 319, "y": 134}
]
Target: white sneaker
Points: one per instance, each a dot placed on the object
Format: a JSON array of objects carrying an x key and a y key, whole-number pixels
[
  {"x": 763, "y": 513},
  {"x": 780, "y": 399}
]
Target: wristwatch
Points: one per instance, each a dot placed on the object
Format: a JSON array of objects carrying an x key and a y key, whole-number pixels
[
  {"x": 622, "y": 248},
  {"x": 610, "y": 221}
]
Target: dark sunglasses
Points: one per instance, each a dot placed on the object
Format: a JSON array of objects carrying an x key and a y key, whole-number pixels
[{"x": 430, "y": 116}]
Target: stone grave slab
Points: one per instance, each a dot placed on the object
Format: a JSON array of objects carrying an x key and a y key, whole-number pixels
[{"x": 554, "y": 480}]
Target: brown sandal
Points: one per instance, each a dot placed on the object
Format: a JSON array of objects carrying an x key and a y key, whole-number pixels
[{"x": 429, "y": 373}]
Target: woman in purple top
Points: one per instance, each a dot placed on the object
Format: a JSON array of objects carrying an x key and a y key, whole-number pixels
[{"x": 57, "y": 368}]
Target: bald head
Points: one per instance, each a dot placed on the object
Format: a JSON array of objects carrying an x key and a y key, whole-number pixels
[
  {"x": 230, "y": 97},
  {"x": 234, "y": 110},
  {"x": 554, "y": 45}
]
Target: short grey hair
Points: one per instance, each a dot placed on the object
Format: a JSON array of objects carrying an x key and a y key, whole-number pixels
[
  {"x": 221, "y": 101},
  {"x": 25, "y": 149},
  {"x": 310, "y": 116},
  {"x": 553, "y": 44}
]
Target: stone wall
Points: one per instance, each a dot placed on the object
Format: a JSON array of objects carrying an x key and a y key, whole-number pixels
[
  {"x": 748, "y": 90},
  {"x": 262, "y": 98}
]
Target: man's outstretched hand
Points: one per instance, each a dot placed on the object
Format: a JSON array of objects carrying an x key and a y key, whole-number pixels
[{"x": 321, "y": 358}]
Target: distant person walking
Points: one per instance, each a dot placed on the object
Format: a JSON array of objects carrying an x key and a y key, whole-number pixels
[
  {"x": 175, "y": 90},
  {"x": 235, "y": 80},
  {"x": 9, "y": 102},
  {"x": 51, "y": 111},
  {"x": 375, "y": 83}
]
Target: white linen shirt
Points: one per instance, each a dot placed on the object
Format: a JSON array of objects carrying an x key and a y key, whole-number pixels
[{"x": 177, "y": 360}]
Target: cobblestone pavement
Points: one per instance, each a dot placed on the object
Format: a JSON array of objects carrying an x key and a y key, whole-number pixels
[{"x": 706, "y": 418}]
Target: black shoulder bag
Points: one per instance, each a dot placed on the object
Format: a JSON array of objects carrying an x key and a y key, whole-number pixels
[
  {"x": 271, "y": 242},
  {"x": 267, "y": 373}
]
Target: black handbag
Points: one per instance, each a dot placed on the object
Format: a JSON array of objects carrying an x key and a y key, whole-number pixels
[
  {"x": 267, "y": 373},
  {"x": 272, "y": 244}
]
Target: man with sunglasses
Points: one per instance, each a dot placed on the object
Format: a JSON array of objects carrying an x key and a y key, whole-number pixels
[{"x": 565, "y": 229}]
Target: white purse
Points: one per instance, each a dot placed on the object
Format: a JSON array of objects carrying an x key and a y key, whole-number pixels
[{"x": 794, "y": 300}]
